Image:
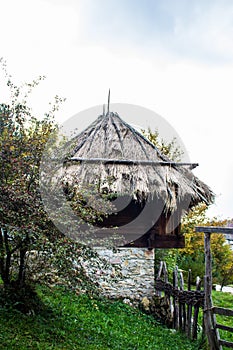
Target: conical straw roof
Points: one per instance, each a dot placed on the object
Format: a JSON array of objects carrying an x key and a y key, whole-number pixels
[{"x": 113, "y": 155}]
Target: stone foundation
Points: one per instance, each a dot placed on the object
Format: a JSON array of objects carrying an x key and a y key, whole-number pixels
[{"x": 136, "y": 267}]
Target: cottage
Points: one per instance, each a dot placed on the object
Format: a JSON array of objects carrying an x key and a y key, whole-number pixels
[{"x": 151, "y": 193}]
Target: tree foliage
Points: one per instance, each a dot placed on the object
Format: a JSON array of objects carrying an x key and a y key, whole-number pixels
[
  {"x": 22, "y": 218},
  {"x": 31, "y": 248},
  {"x": 193, "y": 255},
  {"x": 168, "y": 148}
]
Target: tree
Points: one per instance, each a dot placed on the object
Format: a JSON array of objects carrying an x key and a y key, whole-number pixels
[
  {"x": 193, "y": 255},
  {"x": 32, "y": 249},
  {"x": 24, "y": 223}
]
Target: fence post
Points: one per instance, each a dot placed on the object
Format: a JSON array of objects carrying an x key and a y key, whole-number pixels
[
  {"x": 196, "y": 311},
  {"x": 189, "y": 308},
  {"x": 175, "y": 300},
  {"x": 182, "y": 310},
  {"x": 211, "y": 327},
  {"x": 208, "y": 312}
]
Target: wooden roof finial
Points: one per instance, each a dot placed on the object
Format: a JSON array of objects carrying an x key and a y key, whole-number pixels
[{"x": 108, "y": 100}]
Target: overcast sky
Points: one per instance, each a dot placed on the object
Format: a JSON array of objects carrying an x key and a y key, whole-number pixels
[{"x": 173, "y": 57}]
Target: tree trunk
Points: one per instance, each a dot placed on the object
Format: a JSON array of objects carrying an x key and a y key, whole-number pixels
[{"x": 21, "y": 273}]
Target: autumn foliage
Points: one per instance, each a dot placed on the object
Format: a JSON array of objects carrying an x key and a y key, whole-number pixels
[{"x": 193, "y": 255}]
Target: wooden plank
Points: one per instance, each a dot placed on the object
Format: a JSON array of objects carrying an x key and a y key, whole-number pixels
[
  {"x": 159, "y": 241},
  {"x": 222, "y": 311},
  {"x": 214, "y": 229},
  {"x": 224, "y": 328},
  {"x": 225, "y": 343},
  {"x": 137, "y": 241}
]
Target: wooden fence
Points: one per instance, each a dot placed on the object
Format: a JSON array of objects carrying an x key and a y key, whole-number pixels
[
  {"x": 211, "y": 325},
  {"x": 184, "y": 305}
]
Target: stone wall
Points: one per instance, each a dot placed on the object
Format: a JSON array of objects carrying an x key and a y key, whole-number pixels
[{"x": 136, "y": 266}]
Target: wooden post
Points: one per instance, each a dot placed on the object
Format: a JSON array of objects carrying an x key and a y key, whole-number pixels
[
  {"x": 159, "y": 293},
  {"x": 196, "y": 311},
  {"x": 209, "y": 317},
  {"x": 175, "y": 301},
  {"x": 189, "y": 308},
  {"x": 211, "y": 327},
  {"x": 180, "y": 304},
  {"x": 108, "y": 100},
  {"x": 182, "y": 310},
  {"x": 211, "y": 333}
]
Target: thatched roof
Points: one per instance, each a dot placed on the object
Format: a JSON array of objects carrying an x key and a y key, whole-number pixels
[{"x": 121, "y": 160}]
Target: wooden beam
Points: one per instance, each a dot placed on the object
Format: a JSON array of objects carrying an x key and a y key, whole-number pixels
[
  {"x": 214, "y": 229},
  {"x": 128, "y": 162},
  {"x": 224, "y": 328},
  {"x": 222, "y": 311},
  {"x": 225, "y": 343},
  {"x": 159, "y": 241}
]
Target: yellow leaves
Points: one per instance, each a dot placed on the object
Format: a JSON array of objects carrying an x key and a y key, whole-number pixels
[
  {"x": 222, "y": 255},
  {"x": 193, "y": 242},
  {"x": 24, "y": 154}
]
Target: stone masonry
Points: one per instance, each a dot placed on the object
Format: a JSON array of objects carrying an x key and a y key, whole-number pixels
[{"x": 136, "y": 266}]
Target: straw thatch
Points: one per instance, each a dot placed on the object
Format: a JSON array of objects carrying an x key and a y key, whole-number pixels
[{"x": 123, "y": 161}]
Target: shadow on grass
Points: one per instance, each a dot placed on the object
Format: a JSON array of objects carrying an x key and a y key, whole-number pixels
[{"x": 25, "y": 300}]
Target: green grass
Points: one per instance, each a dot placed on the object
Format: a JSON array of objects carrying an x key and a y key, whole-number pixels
[
  {"x": 69, "y": 321},
  {"x": 224, "y": 300}
]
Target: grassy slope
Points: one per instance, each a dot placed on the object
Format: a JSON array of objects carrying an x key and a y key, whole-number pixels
[
  {"x": 78, "y": 322},
  {"x": 224, "y": 300}
]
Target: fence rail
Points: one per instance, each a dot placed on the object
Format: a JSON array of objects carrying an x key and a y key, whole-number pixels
[
  {"x": 225, "y": 343},
  {"x": 222, "y": 311}
]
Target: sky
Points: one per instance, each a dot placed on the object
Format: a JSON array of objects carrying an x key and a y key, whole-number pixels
[{"x": 172, "y": 57}]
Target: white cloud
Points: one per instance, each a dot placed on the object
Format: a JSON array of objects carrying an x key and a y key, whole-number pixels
[{"x": 207, "y": 33}]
